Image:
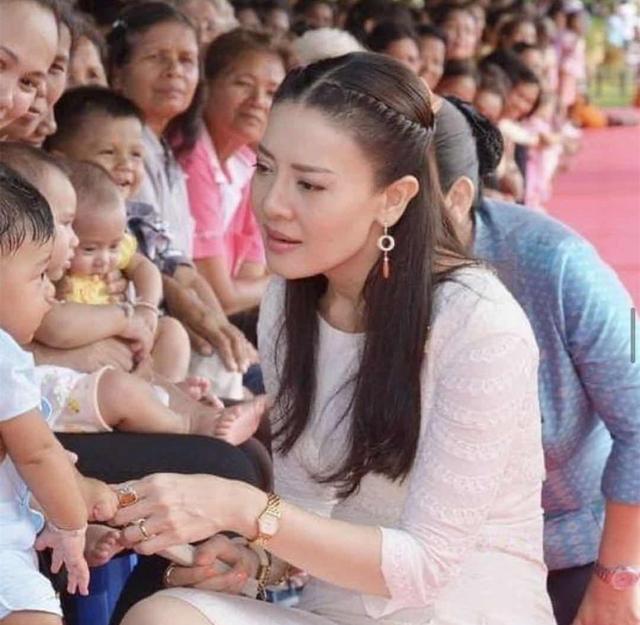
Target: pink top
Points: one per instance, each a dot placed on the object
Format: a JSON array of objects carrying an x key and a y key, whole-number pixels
[{"x": 221, "y": 205}]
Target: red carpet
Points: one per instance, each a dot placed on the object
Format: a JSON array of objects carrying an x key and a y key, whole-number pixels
[{"x": 599, "y": 196}]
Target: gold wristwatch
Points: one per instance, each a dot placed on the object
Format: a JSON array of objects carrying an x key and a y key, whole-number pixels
[{"x": 268, "y": 521}]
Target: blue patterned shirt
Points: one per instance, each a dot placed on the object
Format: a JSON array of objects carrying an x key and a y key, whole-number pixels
[{"x": 589, "y": 387}]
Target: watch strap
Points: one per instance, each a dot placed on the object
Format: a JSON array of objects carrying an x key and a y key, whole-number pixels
[
  {"x": 608, "y": 574},
  {"x": 273, "y": 509}
]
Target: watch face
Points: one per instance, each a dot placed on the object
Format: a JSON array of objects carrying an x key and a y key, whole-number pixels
[
  {"x": 621, "y": 580},
  {"x": 268, "y": 525}
]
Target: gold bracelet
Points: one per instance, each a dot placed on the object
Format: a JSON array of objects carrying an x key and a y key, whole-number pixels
[
  {"x": 264, "y": 569},
  {"x": 285, "y": 577}
]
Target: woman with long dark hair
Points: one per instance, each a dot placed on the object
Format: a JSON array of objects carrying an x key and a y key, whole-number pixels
[{"x": 406, "y": 419}]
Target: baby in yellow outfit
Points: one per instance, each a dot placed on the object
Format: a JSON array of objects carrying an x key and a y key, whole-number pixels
[
  {"x": 93, "y": 289},
  {"x": 105, "y": 246}
]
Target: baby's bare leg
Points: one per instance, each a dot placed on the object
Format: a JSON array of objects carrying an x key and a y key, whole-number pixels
[
  {"x": 171, "y": 351},
  {"x": 130, "y": 404}
]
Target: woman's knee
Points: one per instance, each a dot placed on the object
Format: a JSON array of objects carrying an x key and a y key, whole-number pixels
[
  {"x": 31, "y": 618},
  {"x": 160, "y": 610}
]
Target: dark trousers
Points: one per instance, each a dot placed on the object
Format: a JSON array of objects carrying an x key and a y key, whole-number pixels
[
  {"x": 566, "y": 588},
  {"x": 116, "y": 457}
]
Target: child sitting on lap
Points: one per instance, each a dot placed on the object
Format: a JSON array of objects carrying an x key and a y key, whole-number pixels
[
  {"x": 30, "y": 456},
  {"x": 104, "y": 245},
  {"x": 108, "y": 398},
  {"x": 100, "y": 126}
]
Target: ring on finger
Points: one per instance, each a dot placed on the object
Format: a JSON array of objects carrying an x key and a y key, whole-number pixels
[
  {"x": 127, "y": 496},
  {"x": 166, "y": 576},
  {"x": 140, "y": 523}
]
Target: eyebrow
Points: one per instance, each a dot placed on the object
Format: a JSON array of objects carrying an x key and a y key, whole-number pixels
[
  {"x": 307, "y": 169},
  {"x": 16, "y": 59}
]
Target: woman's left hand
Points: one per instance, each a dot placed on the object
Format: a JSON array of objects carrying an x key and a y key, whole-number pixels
[
  {"x": 173, "y": 509},
  {"x": 243, "y": 563}
]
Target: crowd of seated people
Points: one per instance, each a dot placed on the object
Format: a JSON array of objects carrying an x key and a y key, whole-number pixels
[{"x": 133, "y": 269}]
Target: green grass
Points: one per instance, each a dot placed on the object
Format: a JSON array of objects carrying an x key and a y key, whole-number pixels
[
  {"x": 613, "y": 91},
  {"x": 617, "y": 87}
]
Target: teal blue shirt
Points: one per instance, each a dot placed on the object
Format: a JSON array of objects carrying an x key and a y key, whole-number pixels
[{"x": 589, "y": 387}]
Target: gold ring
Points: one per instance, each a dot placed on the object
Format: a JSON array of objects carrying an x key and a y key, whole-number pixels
[
  {"x": 127, "y": 496},
  {"x": 166, "y": 577},
  {"x": 143, "y": 530}
]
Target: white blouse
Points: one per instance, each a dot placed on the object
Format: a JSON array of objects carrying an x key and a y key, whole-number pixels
[
  {"x": 462, "y": 534},
  {"x": 473, "y": 494}
]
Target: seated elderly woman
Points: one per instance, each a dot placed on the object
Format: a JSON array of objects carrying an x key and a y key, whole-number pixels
[{"x": 243, "y": 70}]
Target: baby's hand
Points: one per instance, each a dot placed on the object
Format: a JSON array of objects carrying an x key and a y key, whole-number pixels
[
  {"x": 100, "y": 499},
  {"x": 138, "y": 331},
  {"x": 67, "y": 548}
]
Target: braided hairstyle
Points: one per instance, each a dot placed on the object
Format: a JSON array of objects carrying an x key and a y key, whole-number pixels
[{"x": 385, "y": 109}]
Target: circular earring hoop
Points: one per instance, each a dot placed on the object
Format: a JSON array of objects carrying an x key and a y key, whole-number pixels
[{"x": 386, "y": 243}]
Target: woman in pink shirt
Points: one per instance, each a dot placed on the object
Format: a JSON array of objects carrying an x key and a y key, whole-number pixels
[{"x": 243, "y": 71}]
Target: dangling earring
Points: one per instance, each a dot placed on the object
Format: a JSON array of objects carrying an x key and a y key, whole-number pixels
[{"x": 386, "y": 243}]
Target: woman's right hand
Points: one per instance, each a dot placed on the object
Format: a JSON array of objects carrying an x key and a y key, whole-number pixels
[{"x": 243, "y": 563}]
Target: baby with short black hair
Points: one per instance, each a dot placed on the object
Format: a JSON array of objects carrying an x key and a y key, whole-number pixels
[
  {"x": 105, "y": 245},
  {"x": 31, "y": 459}
]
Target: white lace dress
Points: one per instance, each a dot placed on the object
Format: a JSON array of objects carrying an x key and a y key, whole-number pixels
[{"x": 462, "y": 535}]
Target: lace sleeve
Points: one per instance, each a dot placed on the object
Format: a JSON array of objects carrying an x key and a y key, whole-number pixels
[{"x": 477, "y": 393}]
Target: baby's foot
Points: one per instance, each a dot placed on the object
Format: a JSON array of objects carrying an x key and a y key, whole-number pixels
[
  {"x": 199, "y": 388},
  {"x": 234, "y": 425},
  {"x": 103, "y": 543},
  {"x": 237, "y": 424}
]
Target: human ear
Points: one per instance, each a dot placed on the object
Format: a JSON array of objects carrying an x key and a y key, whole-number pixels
[
  {"x": 396, "y": 198},
  {"x": 459, "y": 200}
]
